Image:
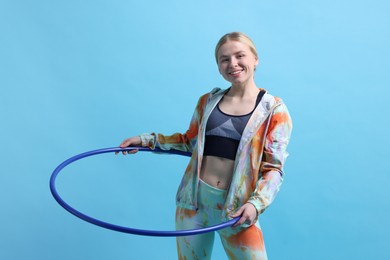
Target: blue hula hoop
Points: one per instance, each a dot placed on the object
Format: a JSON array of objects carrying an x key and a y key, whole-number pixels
[{"x": 129, "y": 230}]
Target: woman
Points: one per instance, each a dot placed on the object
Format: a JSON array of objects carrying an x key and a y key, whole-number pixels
[{"x": 238, "y": 139}]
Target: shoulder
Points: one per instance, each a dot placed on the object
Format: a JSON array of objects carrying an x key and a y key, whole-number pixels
[
  {"x": 211, "y": 95},
  {"x": 279, "y": 112},
  {"x": 215, "y": 92},
  {"x": 270, "y": 101}
]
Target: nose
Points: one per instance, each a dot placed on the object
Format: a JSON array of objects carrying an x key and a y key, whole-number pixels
[{"x": 233, "y": 62}]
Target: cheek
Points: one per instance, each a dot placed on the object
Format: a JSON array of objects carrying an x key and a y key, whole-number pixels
[{"x": 221, "y": 69}]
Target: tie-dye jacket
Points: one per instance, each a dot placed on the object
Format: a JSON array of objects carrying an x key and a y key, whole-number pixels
[{"x": 258, "y": 167}]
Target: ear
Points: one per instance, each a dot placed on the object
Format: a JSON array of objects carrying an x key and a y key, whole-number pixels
[{"x": 257, "y": 62}]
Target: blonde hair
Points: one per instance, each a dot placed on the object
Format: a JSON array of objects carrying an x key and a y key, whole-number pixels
[{"x": 236, "y": 36}]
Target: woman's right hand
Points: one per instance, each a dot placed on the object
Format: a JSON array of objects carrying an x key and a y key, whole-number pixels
[{"x": 132, "y": 141}]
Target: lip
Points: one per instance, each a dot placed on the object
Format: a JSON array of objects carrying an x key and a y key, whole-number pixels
[{"x": 235, "y": 73}]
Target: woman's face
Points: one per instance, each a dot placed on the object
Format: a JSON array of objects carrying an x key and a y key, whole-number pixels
[{"x": 236, "y": 63}]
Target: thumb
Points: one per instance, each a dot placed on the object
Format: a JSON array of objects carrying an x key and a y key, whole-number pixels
[
  {"x": 238, "y": 213},
  {"x": 125, "y": 143}
]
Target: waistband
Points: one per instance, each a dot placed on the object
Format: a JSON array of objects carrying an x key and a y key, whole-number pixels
[{"x": 210, "y": 197}]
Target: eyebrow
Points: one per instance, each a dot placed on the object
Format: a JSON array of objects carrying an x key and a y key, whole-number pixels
[{"x": 225, "y": 56}]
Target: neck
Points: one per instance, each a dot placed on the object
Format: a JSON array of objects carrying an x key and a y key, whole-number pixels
[{"x": 244, "y": 90}]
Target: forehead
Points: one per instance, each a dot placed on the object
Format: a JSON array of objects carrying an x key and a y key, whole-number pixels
[{"x": 231, "y": 47}]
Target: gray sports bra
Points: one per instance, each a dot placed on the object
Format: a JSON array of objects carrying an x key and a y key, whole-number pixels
[{"x": 224, "y": 131}]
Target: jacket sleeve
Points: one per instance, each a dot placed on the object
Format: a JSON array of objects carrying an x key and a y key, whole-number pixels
[
  {"x": 178, "y": 141},
  {"x": 273, "y": 158}
]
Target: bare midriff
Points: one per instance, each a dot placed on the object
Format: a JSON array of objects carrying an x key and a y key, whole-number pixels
[{"x": 217, "y": 171}]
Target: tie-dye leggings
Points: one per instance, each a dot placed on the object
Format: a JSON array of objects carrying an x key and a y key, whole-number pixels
[{"x": 239, "y": 242}]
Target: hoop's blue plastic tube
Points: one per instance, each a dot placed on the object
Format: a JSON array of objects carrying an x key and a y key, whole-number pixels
[{"x": 129, "y": 230}]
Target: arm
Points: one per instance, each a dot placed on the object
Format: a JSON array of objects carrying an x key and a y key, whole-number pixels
[
  {"x": 178, "y": 141},
  {"x": 274, "y": 156},
  {"x": 271, "y": 167},
  {"x": 183, "y": 142}
]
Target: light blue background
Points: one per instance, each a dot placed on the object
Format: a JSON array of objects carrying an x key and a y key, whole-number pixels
[{"x": 80, "y": 75}]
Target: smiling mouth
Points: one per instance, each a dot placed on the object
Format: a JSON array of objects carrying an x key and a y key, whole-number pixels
[{"x": 236, "y": 72}]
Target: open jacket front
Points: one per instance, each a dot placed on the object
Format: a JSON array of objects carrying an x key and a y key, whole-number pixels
[{"x": 258, "y": 167}]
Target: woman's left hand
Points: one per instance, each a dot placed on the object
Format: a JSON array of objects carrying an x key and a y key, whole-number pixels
[{"x": 248, "y": 215}]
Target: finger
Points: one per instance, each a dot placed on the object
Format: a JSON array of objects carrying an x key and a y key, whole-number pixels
[
  {"x": 240, "y": 221},
  {"x": 117, "y": 152},
  {"x": 242, "y": 218},
  {"x": 238, "y": 213},
  {"x": 133, "y": 151},
  {"x": 125, "y": 143}
]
